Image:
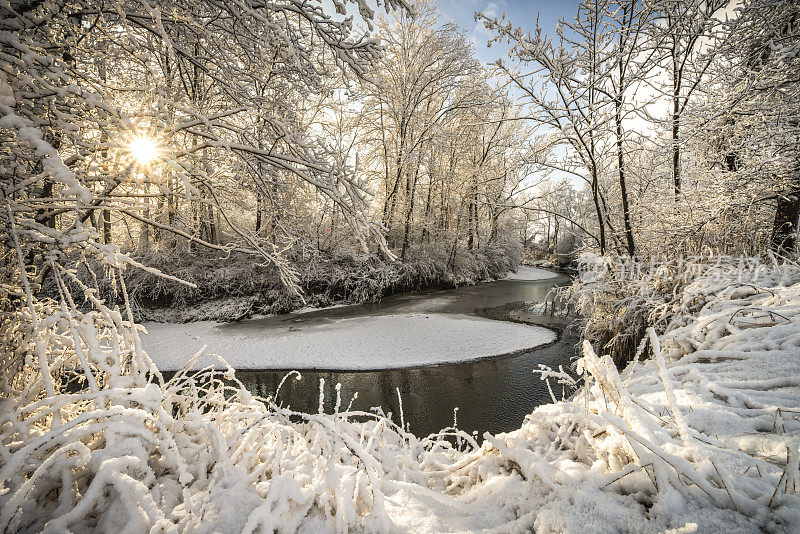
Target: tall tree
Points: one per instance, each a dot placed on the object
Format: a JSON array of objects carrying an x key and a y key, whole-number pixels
[
  {"x": 562, "y": 82},
  {"x": 681, "y": 29},
  {"x": 631, "y": 64},
  {"x": 427, "y": 77},
  {"x": 759, "y": 90}
]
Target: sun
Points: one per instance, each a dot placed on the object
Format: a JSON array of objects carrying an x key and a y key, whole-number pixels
[{"x": 143, "y": 149}]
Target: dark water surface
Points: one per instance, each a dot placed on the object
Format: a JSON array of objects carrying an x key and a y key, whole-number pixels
[{"x": 491, "y": 394}]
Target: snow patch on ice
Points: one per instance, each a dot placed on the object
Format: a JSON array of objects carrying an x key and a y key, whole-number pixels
[
  {"x": 531, "y": 274},
  {"x": 372, "y": 342},
  {"x": 312, "y": 309}
]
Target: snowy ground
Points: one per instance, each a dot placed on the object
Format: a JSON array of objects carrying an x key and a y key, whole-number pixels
[
  {"x": 372, "y": 342},
  {"x": 531, "y": 273},
  {"x": 701, "y": 435}
]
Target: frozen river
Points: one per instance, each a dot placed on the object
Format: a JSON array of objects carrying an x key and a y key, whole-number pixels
[{"x": 496, "y": 332}]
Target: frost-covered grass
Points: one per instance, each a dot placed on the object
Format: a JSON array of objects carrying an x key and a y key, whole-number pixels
[
  {"x": 619, "y": 297},
  {"x": 701, "y": 437}
]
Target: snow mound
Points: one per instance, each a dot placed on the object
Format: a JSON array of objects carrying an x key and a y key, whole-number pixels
[
  {"x": 374, "y": 342},
  {"x": 531, "y": 274}
]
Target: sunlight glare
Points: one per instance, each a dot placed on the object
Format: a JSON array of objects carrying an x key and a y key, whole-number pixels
[{"x": 143, "y": 149}]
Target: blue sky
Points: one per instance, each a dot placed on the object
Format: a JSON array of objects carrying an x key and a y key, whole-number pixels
[{"x": 521, "y": 13}]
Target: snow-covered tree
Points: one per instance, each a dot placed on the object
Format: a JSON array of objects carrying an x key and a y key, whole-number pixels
[
  {"x": 562, "y": 82},
  {"x": 681, "y": 30},
  {"x": 754, "y": 110}
]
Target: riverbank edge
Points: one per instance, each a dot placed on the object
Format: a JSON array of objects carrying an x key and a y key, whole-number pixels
[
  {"x": 239, "y": 290},
  {"x": 707, "y": 397}
]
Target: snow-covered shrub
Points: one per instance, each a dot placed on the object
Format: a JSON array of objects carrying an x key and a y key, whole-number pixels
[
  {"x": 233, "y": 287},
  {"x": 703, "y": 437},
  {"x": 619, "y": 297},
  {"x": 92, "y": 439}
]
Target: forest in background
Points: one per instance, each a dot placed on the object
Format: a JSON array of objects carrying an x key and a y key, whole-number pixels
[
  {"x": 273, "y": 167},
  {"x": 279, "y": 173}
]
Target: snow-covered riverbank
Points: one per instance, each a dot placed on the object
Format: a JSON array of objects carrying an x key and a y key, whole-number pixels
[
  {"x": 410, "y": 336},
  {"x": 701, "y": 435},
  {"x": 369, "y": 342}
]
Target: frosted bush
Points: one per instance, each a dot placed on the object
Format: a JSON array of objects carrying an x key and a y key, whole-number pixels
[{"x": 619, "y": 297}]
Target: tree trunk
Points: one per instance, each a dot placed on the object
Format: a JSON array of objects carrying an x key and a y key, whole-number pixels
[
  {"x": 386, "y": 170},
  {"x": 259, "y": 210},
  {"x": 676, "y": 130},
  {"x": 494, "y": 224},
  {"x": 784, "y": 227},
  {"x": 107, "y": 226},
  {"x": 472, "y": 240},
  {"x": 626, "y": 212},
  {"x": 391, "y": 199},
  {"x": 556, "y": 226},
  {"x": 411, "y": 188},
  {"x": 596, "y": 199},
  {"x": 428, "y": 208}
]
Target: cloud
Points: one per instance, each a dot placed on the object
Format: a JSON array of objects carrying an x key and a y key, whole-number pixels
[
  {"x": 491, "y": 10},
  {"x": 479, "y": 31},
  {"x": 495, "y": 8}
]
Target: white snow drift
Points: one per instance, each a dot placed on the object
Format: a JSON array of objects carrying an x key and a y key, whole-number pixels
[
  {"x": 374, "y": 342},
  {"x": 531, "y": 274}
]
